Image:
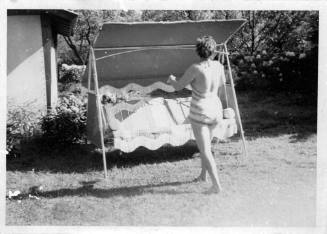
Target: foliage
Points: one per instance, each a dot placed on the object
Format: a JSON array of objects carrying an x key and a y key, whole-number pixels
[
  {"x": 70, "y": 78},
  {"x": 170, "y": 15},
  {"x": 71, "y": 74},
  {"x": 153, "y": 15},
  {"x": 22, "y": 123},
  {"x": 67, "y": 122},
  {"x": 276, "y": 31},
  {"x": 288, "y": 71}
]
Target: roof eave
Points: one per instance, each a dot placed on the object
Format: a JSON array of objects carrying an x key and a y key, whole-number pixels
[{"x": 63, "y": 21}]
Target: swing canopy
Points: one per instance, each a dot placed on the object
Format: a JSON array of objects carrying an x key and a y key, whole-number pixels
[
  {"x": 145, "y": 52},
  {"x": 140, "y": 56}
]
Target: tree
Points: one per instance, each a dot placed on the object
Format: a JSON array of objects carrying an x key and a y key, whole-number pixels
[
  {"x": 87, "y": 26},
  {"x": 170, "y": 15},
  {"x": 275, "y": 31}
]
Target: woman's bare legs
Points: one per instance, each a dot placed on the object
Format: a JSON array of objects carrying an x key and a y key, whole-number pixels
[
  {"x": 202, "y": 135},
  {"x": 203, "y": 174}
]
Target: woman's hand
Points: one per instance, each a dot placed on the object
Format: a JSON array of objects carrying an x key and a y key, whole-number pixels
[{"x": 171, "y": 78}]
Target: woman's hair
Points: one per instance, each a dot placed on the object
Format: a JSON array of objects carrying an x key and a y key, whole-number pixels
[{"x": 205, "y": 46}]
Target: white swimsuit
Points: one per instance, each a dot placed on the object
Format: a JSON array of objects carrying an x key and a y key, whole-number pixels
[{"x": 206, "y": 107}]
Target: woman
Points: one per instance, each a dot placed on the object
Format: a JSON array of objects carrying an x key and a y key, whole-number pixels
[{"x": 205, "y": 79}]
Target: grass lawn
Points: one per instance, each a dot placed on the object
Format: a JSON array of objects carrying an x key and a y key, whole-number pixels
[{"x": 274, "y": 186}]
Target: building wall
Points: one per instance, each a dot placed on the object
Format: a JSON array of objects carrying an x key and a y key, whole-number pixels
[{"x": 26, "y": 84}]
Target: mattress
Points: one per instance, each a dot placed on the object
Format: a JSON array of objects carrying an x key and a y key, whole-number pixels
[{"x": 152, "y": 120}]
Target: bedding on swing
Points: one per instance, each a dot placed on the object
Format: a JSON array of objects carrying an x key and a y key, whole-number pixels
[{"x": 130, "y": 105}]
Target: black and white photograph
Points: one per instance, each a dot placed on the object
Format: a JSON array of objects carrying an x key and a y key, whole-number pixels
[{"x": 145, "y": 117}]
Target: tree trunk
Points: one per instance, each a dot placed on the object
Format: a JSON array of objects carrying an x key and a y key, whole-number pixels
[
  {"x": 74, "y": 49},
  {"x": 252, "y": 34}
]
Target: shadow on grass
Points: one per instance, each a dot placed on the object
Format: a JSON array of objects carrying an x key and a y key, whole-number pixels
[
  {"x": 88, "y": 190},
  {"x": 274, "y": 114},
  {"x": 81, "y": 158}
]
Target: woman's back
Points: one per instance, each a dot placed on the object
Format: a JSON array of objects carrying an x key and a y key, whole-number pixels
[{"x": 208, "y": 78}]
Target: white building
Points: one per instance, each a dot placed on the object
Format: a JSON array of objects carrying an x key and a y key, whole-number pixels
[{"x": 31, "y": 55}]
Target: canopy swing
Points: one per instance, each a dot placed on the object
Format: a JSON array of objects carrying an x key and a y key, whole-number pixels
[{"x": 129, "y": 102}]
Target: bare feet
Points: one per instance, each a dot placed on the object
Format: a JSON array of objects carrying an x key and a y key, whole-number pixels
[
  {"x": 214, "y": 190},
  {"x": 196, "y": 155},
  {"x": 201, "y": 178}
]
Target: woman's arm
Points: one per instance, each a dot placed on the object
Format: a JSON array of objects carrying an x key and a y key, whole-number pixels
[{"x": 186, "y": 79}]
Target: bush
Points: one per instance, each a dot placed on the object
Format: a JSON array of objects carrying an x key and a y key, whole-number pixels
[
  {"x": 70, "y": 78},
  {"x": 22, "y": 124},
  {"x": 67, "y": 122},
  {"x": 71, "y": 73},
  {"x": 287, "y": 71}
]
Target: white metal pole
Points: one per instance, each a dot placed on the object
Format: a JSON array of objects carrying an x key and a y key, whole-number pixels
[
  {"x": 89, "y": 77},
  {"x": 89, "y": 72},
  {"x": 89, "y": 82},
  {"x": 99, "y": 112},
  {"x": 235, "y": 101}
]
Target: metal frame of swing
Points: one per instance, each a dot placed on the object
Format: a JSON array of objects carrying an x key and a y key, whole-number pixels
[{"x": 100, "y": 115}]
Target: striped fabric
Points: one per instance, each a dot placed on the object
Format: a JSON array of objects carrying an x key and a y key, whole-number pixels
[{"x": 206, "y": 108}]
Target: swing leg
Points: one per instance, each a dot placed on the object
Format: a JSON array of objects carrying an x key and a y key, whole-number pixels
[
  {"x": 99, "y": 107},
  {"x": 245, "y": 153},
  {"x": 104, "y": 162},
  {"x": 103, "y": 148}
]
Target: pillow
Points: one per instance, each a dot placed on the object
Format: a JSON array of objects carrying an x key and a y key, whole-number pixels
[{"x": 228, "y": 113}]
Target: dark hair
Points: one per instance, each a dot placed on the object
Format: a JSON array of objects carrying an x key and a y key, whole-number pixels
[{"x": 205, "y": 46}]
